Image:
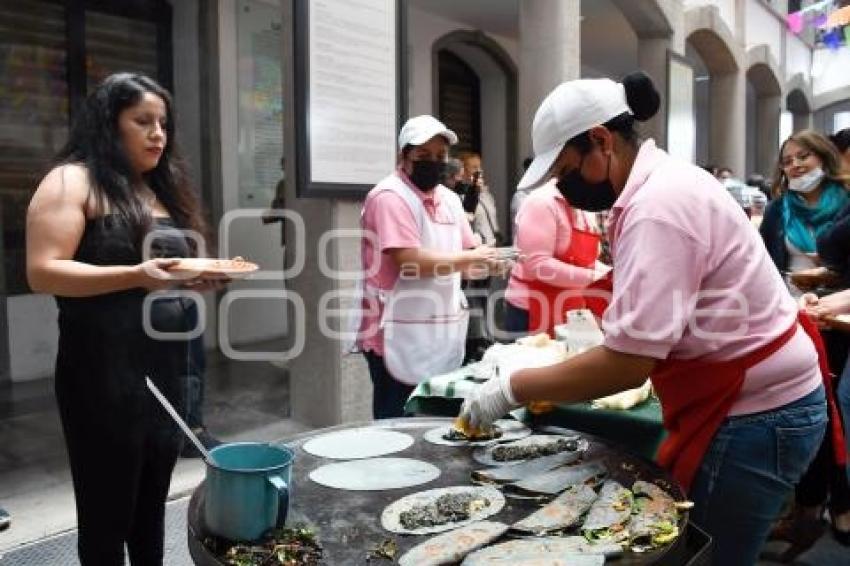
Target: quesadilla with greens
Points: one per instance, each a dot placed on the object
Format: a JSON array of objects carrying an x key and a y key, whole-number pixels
[
  {"x": 451, "y": 547},
  {"x": 527, "y": 469},
  {"x": 553, "y": 482},
  {"x": 529, "y": 448},
  {"x": 609, "y": 515},
  {"x": 561, "y": 513},
  {"x": 441, "y": 509},
  {"x": 546, "y": 550},
  {"x": 656, "y": 520}
]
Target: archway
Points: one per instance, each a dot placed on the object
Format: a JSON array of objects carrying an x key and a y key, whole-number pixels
[
  {"x": 719, "y": 90},
  {"x": 495, "y": 104},
  {"x": 764, "y": 105},
  {"x": 798, "y": 102}
]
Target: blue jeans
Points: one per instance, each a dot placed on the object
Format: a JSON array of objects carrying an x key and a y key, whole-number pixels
[
  {"x": 516, "y": 320},
  {"x": 749, "y": 471},
  {"x": 842, "y": 397},
  {"x": 388, "y": 394}
]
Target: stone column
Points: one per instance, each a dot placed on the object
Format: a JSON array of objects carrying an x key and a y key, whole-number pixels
[
  {"x": 550, "y": 42},
  {"x": 802, "y": 121},
  {"x": 326, "y": 387},
  {"x": 727, "y": 145},
  {"x": 768, "y": 113},
  {"x": 652, "y": 58}
]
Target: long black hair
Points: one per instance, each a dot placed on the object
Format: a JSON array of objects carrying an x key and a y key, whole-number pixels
[{"x": 95, "y": 142}]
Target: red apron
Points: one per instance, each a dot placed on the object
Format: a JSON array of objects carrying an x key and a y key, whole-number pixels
[
  {"x": 696, "y": 396},
  {"x": 547, "y": 304}
]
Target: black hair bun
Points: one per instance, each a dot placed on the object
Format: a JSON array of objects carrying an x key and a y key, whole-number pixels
[{"x": 641, "y": 95}]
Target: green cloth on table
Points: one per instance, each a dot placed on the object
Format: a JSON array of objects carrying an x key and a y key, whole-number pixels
[{"x": 638, "y": 429}]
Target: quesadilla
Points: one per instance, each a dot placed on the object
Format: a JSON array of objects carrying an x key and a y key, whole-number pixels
[
  {"x": 527, "y": 469},
  {"x": 442, "y": 509},
  {"x": 553, "y": 482},
  {"x": 609, "y": 516},
  {"x": 453, "y": 546},
  {"x": 561, "y": 513},
  {"x": 527, "y": 551},
  {"x": 656, "y": 519},
  {"x": 529, "y": 448}
]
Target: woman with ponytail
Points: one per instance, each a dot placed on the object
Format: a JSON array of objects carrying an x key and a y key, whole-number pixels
[{"x": 696, "y": 304}]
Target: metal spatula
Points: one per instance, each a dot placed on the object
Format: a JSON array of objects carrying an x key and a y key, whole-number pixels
[{"x": 161, "y": 398}]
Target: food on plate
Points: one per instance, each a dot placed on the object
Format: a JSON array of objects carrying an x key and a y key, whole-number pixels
[
  {"x": 213, "y": 268},
  {"x": 656, "y": 519},
  {"x": 561, "y": 513},
  {"x": 608, "y": 517},
  {"x": 526, "y": 550},
  {"x": 555, "y": 481},
  {"x": 442, "y": 509},
  {"x": 501, "y": 430},
  {"x": 453, "y": 546}
]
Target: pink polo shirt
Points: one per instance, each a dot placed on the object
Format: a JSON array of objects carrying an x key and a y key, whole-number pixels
[
  {"x": 543, "y": 232},
  {"x": 389, "y": 223},
  {"x": 692, "y": 279}
]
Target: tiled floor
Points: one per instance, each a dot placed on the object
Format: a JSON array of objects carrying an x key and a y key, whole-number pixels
[{"x": 244, "y": 401}]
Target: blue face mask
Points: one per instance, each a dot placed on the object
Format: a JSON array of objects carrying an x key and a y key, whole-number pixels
[{"x": 592, "y": 197}]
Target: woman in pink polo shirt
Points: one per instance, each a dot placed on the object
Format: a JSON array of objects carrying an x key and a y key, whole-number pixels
[
  {"x": 697, "y": 305},
  {"x": 560, "y": 247}
]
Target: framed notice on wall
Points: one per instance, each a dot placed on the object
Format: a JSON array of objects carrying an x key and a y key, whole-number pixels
[
  {"x": 681, "y": 116},
  {"x": 348, "y": 94}
]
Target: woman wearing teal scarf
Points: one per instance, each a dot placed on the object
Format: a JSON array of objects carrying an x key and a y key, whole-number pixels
[{"x": 810, "y": 190}]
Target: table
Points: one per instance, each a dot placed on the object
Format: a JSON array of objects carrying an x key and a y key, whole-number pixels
[
  {"x": 348, "y": 522},
  {"x": 638, "y": 429}
]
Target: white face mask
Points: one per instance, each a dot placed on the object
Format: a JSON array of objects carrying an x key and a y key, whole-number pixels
[{"x": 808, "y": 182}]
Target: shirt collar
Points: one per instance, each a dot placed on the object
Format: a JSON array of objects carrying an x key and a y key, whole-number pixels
[{"x": 648, "y": 158}]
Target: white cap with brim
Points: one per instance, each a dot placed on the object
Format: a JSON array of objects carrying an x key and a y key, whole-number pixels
[
  {"x": 571, "y": 109},
  {"x": 420, "y": 129}
]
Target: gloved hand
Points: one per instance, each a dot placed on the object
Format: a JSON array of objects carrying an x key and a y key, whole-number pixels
[{"x": 489, "y": 401}]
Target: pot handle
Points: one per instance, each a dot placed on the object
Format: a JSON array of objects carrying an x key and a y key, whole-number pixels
[{"x": 283, "y": 499}]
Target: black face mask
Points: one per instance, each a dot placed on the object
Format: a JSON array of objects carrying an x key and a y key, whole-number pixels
[
  {"x": 427, "y": 174},
  {"x": 592, "y": 197}
]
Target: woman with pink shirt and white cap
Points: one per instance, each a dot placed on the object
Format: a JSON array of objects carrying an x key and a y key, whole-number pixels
[{"x": 697, "y": 305}]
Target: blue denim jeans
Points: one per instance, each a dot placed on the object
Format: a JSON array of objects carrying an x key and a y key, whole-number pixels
[
  {"x": 389, "y": 395},
  {"x": 749, "y": 471},
  {"x": 842, "y": 397}
]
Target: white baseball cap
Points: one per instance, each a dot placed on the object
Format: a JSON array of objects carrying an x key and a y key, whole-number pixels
[
  {"x": 420, "y": 129},
  {"x": 572, "y": 108}
]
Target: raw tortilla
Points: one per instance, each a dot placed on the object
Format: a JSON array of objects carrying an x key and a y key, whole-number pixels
[
  {"x": 561, "y": 513},
  {"x": 555, "y": 481},
  {"x": 524, "y": 551},
  {"x": 375, "y": 474},
  {"x": 484, "y": 454},
  {"x": 391, "y": 516},
  {"x": 511, "y": 430},
  {"x": 355, "y": 443},
  {"x": 526, "y": 469},
  {"x": 451, "y": 547}
]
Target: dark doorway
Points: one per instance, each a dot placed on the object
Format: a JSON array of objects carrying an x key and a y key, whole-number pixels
[{"x": 459, "y": 104}]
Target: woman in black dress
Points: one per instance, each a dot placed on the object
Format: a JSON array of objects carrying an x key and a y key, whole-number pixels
[{"x": 100, "y": 228}]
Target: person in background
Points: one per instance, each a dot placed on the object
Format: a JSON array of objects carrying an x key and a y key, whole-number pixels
[
  {"x": 416, "y": 244},
  {"x": 809, "y": 192},
  {"x": 485, "y": 222},
  {"x": 724, "y": 173},
  {"x": 5, "y": 519},
  {"x": 560, "y": 247},
  {"x": 453, "y": 179},
  {"x": 119, "y": 183},
  {"x": 841, "y": 140},
  {"x": 742, "y": 395}
]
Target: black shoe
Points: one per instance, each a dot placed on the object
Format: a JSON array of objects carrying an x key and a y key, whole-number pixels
[
  {"x": 208, "y": 440},
  {"x": 5, "y": 520}
]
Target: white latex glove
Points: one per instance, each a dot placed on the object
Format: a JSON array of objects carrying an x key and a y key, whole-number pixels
[{"x": 489, "y": 402}]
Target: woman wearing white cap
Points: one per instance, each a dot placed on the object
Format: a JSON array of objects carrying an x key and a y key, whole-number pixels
[
  {"x": 415, "y": 247},
  {"x": 697, "y": 304}
]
